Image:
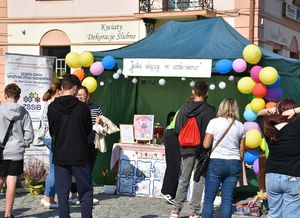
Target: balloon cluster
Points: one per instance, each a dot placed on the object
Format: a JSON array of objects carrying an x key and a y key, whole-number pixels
[{"x": 86, "y": 60}]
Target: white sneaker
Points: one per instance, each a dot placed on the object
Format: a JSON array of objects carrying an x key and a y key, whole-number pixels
[
  {"x": 168, "y": 198},
  {"x": 74, "y": 201},
  {"x": 174, "y": 214},
  {"x": 49, "y": 205},
  {"x": 95, "y": 201}
]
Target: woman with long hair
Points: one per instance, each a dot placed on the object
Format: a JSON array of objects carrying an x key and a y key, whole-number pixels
[
  {"x": 225, "y": 160},
  {"x": 283, "y": 162},
  {"x": 49, "y": 194}
]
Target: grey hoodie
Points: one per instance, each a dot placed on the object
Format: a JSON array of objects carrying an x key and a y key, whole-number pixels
[{"x": 22, "y": 132}]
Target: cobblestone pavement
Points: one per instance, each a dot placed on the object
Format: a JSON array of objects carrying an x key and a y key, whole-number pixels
[{"x": 110, "y": 206}]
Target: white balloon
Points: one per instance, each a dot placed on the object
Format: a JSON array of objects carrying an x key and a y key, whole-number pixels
[
  {"x": 116, "y": 76},
  {"x": 222, "y": 85},
  {"x": 192, "y": 84},
  {"x": 162, "y": 82},
  {"x": 101, "y": 83},
  {"x": 212, "y": 87},
  {"x": 231, "y": 78},
  {"x": 119, "y": 71},
  {"x": 125, "y": 76},
  {"x": 183, "y": 78},
  {"x": 134, "y": 80}
]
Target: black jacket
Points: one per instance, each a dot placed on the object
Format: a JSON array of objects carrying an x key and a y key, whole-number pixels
[
  {"x": 203, "y": 113},
  {"x": 69, "y": 125}
]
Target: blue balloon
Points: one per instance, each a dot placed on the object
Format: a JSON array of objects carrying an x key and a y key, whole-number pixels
[
  {"x": 276, "y": 83},
  {"x": 249, "y": 115},
  {"x": 223, "y": 66},
  {"x": 251, "y": 156},
  {"x": 108, "y": 62}
]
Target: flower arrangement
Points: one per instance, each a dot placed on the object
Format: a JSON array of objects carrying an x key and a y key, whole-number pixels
[{"x": 35, "y": 176}]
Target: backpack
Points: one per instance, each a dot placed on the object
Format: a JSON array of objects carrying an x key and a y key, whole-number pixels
[{"x": 189, "y": 135}]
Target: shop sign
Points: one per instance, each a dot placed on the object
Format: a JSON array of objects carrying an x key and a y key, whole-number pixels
[
  {"x": 200, "y": 68},
  {"x": 112, "y": 32},
  {"x": 291, "y": 11}
]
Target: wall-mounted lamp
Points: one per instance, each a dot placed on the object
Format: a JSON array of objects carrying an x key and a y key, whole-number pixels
[{"x": 24, "y": 32}]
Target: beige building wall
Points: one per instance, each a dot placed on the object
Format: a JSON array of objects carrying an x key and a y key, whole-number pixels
[{"x": 3, "y": 43}]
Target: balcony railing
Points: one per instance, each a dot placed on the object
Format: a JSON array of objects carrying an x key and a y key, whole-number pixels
[{"x": 147, "y": 6}]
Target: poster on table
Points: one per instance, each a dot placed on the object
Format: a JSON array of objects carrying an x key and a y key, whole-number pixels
[{"x": 33, "y": 74}]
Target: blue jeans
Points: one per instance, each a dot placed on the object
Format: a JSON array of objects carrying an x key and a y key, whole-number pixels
[
  {"x": 220, "y": 171},
  {"x": 50, "y": 181},
  {"x": 283, "y": 195}
]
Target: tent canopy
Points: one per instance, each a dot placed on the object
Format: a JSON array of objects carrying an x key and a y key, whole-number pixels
[{"x": 211, "y": 38}]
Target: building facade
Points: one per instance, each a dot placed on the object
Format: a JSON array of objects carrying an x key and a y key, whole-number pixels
[{"x": 55, "y": 27}]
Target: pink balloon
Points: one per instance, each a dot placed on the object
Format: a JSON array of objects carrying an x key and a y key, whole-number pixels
[
  {"x": 96, "y": 68},
  {"x": 256, "y": 166},
  {"x": 251, "y": 125},
  {"x": 239, "y": 65},
  {"x": 254, "y": 73}
]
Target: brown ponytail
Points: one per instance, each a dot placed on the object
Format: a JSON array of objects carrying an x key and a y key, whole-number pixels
[{"x": 54, "y": 87}]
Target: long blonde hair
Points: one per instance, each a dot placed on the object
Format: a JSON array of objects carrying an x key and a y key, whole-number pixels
[{"x": 229, "y": 109}]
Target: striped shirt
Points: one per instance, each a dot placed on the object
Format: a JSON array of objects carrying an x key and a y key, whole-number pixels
[{"x": 95, "y": 112}]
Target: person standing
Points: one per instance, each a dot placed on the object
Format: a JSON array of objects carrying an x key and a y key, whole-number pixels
[
  {"x": 198, "y": 108},
  {"x": 283, "y": 162},
  {"x": 19, "y": 137},
  {"x": 69, "y": 125},
  {"x": 48, "y": 200},
  {"x": 225, "y": 160}
]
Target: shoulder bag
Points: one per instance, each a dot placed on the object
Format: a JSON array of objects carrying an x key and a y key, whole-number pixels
[
  {"x": 2, "y": 145},
  {"x": 205, "y": 156}
]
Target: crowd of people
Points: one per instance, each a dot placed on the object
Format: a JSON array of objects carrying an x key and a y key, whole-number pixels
[{"x": 72, "y": 154}]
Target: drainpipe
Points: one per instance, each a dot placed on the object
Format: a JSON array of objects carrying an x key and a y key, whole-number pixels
[{"x": 251, "y": 20}]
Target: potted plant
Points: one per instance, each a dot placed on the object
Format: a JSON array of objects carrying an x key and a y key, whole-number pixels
[
  {"x": 35, "y": 176},
  {"x": 109, "y": 182}
]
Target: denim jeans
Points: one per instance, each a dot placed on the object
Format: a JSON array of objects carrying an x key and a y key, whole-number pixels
[
  {"x": 283, "y": 195},
  {"x": 220, "y": 171},
  {"x": 50, "y": 181}
]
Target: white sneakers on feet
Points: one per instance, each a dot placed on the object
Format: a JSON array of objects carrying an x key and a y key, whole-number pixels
[
  {"x": 167, "y": 197},
  {"x": 49, "y": 205},
  {"x": 75, "y": 201},
  {"x": 95, "y": 201}
]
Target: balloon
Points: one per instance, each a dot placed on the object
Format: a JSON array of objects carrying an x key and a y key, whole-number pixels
[
  {"x": 276, "y": 83},
  {"x": 254, "y": 73},
  {"x": 259, "y": 90},
  {"x": 239, "y": 65},
  {"x": 79, "y": 73},
  {"x": 101, "y": 83},
  {"x": 252, "y": 54},
  {"x": 212, "y": 87},
  {"x": 251, "y": 156},
  {"x": 253, "y": 138},
  {"x": 162, "y": 82},
  {"x": 73, "y": 60},
  {"x": 223, "y": 66},
  {"x": 96, "y": 68},
  {"x": 119, "y": 71},
  {"x": 258, "y": 104},
  {"x": 270, "y": 104},
  {"x": 86, "y": 59},
  {"x": 268, "y": 75},
  {"x": 108, "y": 62},
  {"x": 231, "y": 78},
  {"x": 248, "y": 106},
  {"x": 116, "y": 76},
  {"x": 263, "y": 144},
  {"x": 274, "y": 94},
  {"x": 250, "y": 97},
  {"x": 134, "y": 80},
  {"x": 90, "y": 83},
  {"x": 183, "y": 78},
  {"x": 256, "y": 166},
  {"x": 192, "y": 84},
  {"x": 245, "y": 85},
  {"x": 251, "y": 125},
  {"x": 222, "y": 85},
  {"x": 250, "y": 115},
  {"x": 267, "y": 150}
]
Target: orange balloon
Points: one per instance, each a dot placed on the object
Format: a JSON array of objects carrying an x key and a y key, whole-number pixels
[
  {"x": 79, "y": 73},
  {"x": 270, "y": 104}
]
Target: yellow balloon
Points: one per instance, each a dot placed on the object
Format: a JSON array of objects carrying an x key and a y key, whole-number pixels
[
  {"x": 90, "y": 83},
  {"x": 257, "y": 104},
  {"x": 268, "y": 75},
  {"x": 253, "y": 138},
  {"x": 72, "y": 60},
  {"x": 86, "y": 59},
  {"x": 245, "y": 85},
  {"x": 263, "y": 144},
  {"x": 252, "y": 54},
  {"x": 248, "y": 106}
]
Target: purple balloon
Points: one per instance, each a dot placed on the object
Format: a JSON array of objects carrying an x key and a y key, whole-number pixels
[
  {"x": 96, "y": 68},
  {"x": 239, "y": 65},
  {"x": 274, "y": 94},
  {"x": 251, "y": 125},
  {"x": 256, "y": 166}
]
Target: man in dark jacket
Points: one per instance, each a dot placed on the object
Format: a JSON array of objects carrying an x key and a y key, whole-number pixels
[
  {"x": 198, "y": 108},
  {"x": 69, "y": 125}
]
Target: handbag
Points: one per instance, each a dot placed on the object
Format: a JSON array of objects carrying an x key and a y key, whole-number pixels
[
  {"x": 205, "y": 156},
  {"x": 2, "y": 145},
  {"x": 39, "y": 136}
]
